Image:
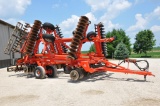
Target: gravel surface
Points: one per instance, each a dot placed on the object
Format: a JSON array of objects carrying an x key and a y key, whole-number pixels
[{"x": 100, "y": 89}]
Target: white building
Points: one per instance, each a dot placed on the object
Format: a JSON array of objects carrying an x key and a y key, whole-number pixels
[{"x": 6, "y": 30}]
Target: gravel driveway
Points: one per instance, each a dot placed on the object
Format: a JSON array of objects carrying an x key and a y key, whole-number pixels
[{"x": 101, "y": 89}]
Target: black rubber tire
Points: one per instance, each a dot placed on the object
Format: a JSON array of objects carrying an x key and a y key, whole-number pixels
[
  {"x": 90, "y": 35},
  {"x": 48, "y": 37},
  {"x": 81, "y": 73},
  {"x": 48, "y": 25},
  {"x": 74, "y": 75},
  {"x": 67, "y": 69},
  {"x": 54, "y": 71},
  {"x": 39, "y": 72}
]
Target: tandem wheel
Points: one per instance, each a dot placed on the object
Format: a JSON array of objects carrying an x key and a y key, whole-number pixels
[
  {"x": 67, "y": 69},
  {"x": 78, "y": 73},
  {"x": 39, "y": 72},
  {"x": 51, "y": 71},
  {"x": 74, "y": 74}
]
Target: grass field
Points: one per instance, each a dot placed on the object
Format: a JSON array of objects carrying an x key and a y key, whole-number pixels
[
  {"x": 155, "y": 53},
  {"x": 151, "y": 54}
]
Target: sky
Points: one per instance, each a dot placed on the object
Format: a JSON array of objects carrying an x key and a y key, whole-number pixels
[{"x": 130, "y": 15}]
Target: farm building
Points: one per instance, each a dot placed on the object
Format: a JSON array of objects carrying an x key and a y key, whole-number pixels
[{"x": 6, "y": 30}]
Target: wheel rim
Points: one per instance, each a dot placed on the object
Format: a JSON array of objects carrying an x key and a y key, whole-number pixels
[
  {"x": 74, "y": 75},
  {"x": 90, "y": 37},
  {"x": 38, "y": 73},
  {"x": 50, "y": 72}
]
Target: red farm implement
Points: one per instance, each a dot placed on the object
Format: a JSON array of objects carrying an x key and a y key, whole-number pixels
[{"x": 57, "y": 54}]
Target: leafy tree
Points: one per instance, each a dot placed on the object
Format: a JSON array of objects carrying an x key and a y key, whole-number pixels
[
  {"x": 144, "y": 42},
  {"x": 121, "y": 51},
  {"x": 120, "y": 37},
  {"x": 92, "y": 48}
]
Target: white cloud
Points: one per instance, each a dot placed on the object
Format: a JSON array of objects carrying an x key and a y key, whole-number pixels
[
  {"x": 119, "y": 5},
  {"x": 69, "y": 25},
  {"x": 11, "y": 21},
  {"x": 155, "y": 28},
  {"x": 140, "y": 24},
  {"x": 111, "y": 26},
  {"x": 14, "y": 21},
  {"x": 156, "y": 12},
  {"x": 107, "y": 4},
  {"x": 13, "y": 8},
  {"x": 143, "y": 22},
  {"x": 91, "y": 17},
  {"x": 114, "y": 9},
  {"x": 111, "y": 9},
  {"x": 98, "y": 4}
]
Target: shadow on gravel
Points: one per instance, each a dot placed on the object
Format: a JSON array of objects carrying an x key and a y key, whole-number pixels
[
  {"x": 30, "y": 75},
  {"x": 127, "y": 79},
  {"x": 23, "y": 75},
  {"x": 89, "y": 78},
  {"x": 105, "y": 76},
  {"x": 93, "y": 77}
]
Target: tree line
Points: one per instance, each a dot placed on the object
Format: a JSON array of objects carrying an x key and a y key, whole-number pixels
[{"x": 121, "y": 47}]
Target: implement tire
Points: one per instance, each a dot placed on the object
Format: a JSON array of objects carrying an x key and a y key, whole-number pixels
[
  {"x": 53, "y": 70},
  {"x": 39, "y": 72}
]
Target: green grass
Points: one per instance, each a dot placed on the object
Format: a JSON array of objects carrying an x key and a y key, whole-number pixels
[
  {"x": 83, "y": 52},
  {"x": 151, "y": 54},
  {"x": 156, "y": 49},
  {"x": 155, "y": 53}
]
